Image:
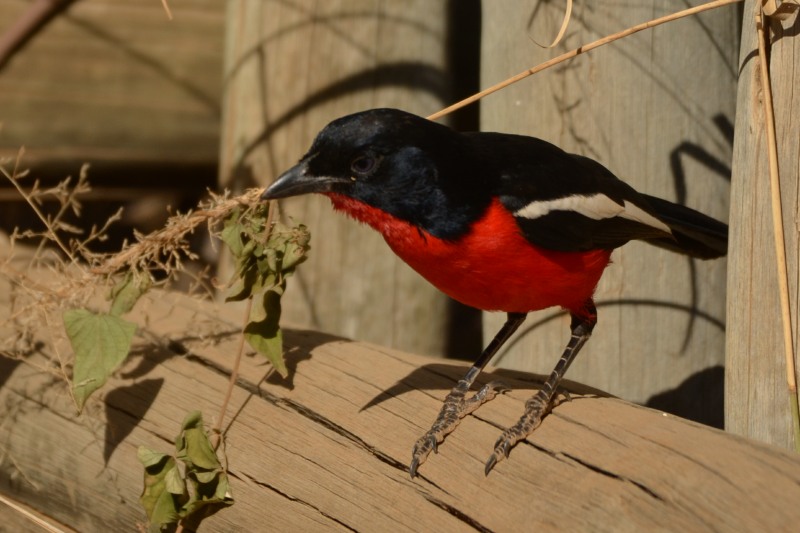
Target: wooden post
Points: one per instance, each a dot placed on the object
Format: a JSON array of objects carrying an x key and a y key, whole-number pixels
[
  {"x": 292, "y": 68},
  {"x": 656, "y": 109},
  {"x": 756, "y": 396}
]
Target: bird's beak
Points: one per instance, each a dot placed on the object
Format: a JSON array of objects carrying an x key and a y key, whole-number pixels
[{"x": 297, "y": 181}]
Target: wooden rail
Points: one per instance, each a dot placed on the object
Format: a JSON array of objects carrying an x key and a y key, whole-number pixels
[{"x": 328, "y": 448}]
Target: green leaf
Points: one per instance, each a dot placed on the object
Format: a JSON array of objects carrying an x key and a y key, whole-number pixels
[
  {"x": 100, "y": 342},
  {"x": 263, "y": 332},
  {"x": 175, "y": 489},
  {"x": 243, "y": 285},
  {"x": 206, "y": 476},
  {"x": 149, "y": 457},
  {"x": 158, "y": 502},
  {"x": 128, "y": 291},
  {"x": 174, "y": 483},
  {"x": 216, "y": 492},
  {"x": 231, "y": 234},
  {"x": 195, "y": 448},
  {"x": 223, "y": 492}
]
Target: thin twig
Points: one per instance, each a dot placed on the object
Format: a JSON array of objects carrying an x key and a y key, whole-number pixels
[
  {"x": 12, "y": 178},
  {"x": 216, "y": 432},
  {"x": 46, "y": 526},
  {"x": 37, "y": 14},
  {"x": 61, "y": 361},
  {"x": 580, "y": 50},
  {"x": 152, "y": 243},
  {"x": 166, "y": 8},
  {"x": 762, "y": 30}
]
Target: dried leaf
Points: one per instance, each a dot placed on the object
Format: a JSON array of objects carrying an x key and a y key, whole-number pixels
[
  {"x": 193, "y": 446},
  {"x": 157, "y": 500},
  {"x": 127, "y": 292},
  {"x": 149, "y": 457},
  {"x": 263, "y": 332}
]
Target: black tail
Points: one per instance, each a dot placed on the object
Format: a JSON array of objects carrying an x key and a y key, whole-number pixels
[{"x": 694, "y": 233}]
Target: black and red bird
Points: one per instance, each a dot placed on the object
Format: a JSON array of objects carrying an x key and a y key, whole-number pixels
[{"x": 496, "y": 221}]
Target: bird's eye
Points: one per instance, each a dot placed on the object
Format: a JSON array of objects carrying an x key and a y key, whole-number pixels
[{"x": 363, "y": 164}]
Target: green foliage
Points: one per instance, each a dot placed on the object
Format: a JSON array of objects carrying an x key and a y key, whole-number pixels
[
  {"x": 263, "y": 332},
  {"x": 128, "y": 291},
  {"x": 265, "y": 254},
  {"x": 177, "y": 486},
  {"x": 100, "y": 342}
]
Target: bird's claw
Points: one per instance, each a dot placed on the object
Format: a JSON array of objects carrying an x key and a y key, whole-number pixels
[
  {"x": 422, "y": 448},
  {"x": 456, "y": 406},
  {"x": 490, "y": 464},
  {"x": 502, "y": 447},
  {"x": 535, "y": 409}
]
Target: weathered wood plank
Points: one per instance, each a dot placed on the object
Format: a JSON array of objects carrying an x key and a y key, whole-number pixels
[
  {"x": 656, "y": 109},
  {"x": 114, "y": 80},
  {"x": 290, "y": 69},
  {"x": 756, "y": 393},
  {"x": 328, "y": 449}
]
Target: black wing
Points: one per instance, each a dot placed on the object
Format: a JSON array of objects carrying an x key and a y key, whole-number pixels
[{"x": 567, "y": 202}]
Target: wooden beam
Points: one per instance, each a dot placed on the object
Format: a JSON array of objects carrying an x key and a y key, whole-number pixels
[{"x": 329, "y": 447}]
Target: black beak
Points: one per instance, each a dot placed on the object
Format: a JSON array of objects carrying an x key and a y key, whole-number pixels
[{"x": 297, "y": 181}]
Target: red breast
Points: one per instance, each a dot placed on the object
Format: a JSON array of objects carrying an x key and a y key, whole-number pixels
[{"x": 493, "y": 267}]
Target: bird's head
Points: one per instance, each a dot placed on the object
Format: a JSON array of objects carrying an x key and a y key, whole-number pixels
[{"x": 404, "y": 165}]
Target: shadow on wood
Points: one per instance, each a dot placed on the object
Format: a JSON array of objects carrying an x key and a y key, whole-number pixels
[{"x": 329, "y": 448}]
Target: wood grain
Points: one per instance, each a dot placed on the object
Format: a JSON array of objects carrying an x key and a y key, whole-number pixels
[
  {"x": 115, "y": 80},
  {"x": 290, "y": 69},
  {"x": 328, "y": 448},
  {"x": 657, "y": 110},
  {"x": 756, "y": 393}
]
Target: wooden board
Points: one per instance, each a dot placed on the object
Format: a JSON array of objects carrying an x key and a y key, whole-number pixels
[
  {"x": 291, "y": 69},
  {"x": 328, "y": 448},
  {"x": 115, "y": 80},
  {"x": 656, "y": 109},
  {"x": 756, "y": 391}
]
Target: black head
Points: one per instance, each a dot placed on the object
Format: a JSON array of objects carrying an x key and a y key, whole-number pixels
[{"x": 405, "y": 165}]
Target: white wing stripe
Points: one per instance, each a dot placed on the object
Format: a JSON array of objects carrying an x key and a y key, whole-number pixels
[{"x": 597, "y": 207}]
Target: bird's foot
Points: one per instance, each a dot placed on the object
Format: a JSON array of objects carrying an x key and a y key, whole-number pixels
[
  {"x": 535, "y": 410},
  {"x": 456, "y": 406}
]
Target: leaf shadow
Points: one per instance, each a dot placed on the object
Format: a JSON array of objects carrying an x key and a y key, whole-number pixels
[
  {"x": 126, "y": 406},
  {"x": 7, "y": 367},
  {"x": 298, "y": 345}
]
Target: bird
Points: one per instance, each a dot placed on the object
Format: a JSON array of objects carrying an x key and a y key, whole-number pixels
[{"x": 497, "y": 221}]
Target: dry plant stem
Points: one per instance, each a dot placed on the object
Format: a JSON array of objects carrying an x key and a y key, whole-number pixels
[
  {"x": 217, "y": 430},
  {"x": 153, "y": 242},
  {"x": 45, "y": 526},
  {"x": 65, "y": 206},
  {"x": 39, "y": 214},
  {"x": 580, "y": 50},
  {"x": 561, "y": 31},
  {"x": 6, "y": 456},
  {"x": 32, "y": 19},
  {"x": 61, "y": 363},
  {"x": 777, "y": 223},
  {"x": 166, "y": 9}
]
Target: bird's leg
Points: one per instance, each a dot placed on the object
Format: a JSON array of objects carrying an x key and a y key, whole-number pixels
[
  {"x": 456, "y": 404},
  {"x": 537, "y": 407}
]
